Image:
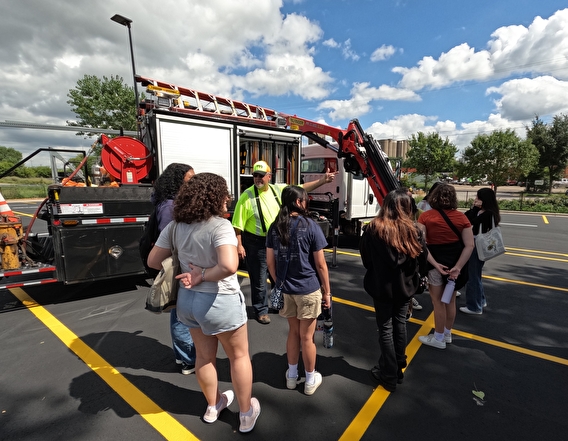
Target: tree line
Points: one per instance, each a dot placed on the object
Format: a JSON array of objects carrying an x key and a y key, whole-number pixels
[{"x": 497, "y": 157}]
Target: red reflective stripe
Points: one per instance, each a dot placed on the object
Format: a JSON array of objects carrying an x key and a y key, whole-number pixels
[
  {"x": 12, "y": 273},
  {"x": 45, "y": 270},
  {"x": 28, "y": 271},
  {"x": 106, "y": 221}
]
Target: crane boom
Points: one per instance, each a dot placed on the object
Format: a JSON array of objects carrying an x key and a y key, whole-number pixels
[{"x": 361, "y": 152}]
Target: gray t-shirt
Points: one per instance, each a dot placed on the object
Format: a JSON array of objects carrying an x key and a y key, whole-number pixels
[{"x": 197, "y": 243}]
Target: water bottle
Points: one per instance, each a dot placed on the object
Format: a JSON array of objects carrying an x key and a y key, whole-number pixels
[
  {"x": 319, "y": 327},
  {"x": 327, "y": 328},
  {"x": 449, "y": 291}
]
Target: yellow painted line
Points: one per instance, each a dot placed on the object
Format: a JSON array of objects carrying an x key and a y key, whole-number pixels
[
  {"x": 429, "y": 324},
  {"x": 554, "y": 259},
  {"x": 508, "y": 252},
  {"x": 359, "y": 425},
  {"x": 354, "y": 304},
  {"x": 520, "y": 282},
  {"x": 545, "y": 219},
  {"x": 345, "y": 253},
  {"x": 512, "y": 348},
  {"x": 164, "y": 423},
  {"x": 548, "y": 253},
  {"x": 22, "y": 214}
]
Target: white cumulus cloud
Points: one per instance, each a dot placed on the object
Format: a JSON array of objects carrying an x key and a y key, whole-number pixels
[{"x": 382, "y": 53}]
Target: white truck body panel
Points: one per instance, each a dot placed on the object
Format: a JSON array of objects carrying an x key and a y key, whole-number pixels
[{"x": 206, "y": 146}]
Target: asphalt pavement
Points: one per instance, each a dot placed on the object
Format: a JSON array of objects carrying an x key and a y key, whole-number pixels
[{"x": 87, "y": 362}]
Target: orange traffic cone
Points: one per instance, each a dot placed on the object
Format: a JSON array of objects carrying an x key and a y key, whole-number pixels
[{"x": 5, "y": 209}]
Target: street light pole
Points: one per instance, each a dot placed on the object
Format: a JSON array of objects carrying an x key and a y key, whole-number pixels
[{"x": 126, "y": 22}]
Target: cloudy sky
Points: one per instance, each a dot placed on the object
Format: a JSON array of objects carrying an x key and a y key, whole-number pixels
[{"x": 400, "y": 66}]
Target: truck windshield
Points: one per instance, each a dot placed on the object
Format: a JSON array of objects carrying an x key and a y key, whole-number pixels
[{"x": 319, "y": 165}]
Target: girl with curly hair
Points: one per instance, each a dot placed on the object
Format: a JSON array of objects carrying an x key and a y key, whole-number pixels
[
  {"x": 210, "y": 300},
  {"x": 166, "y": 188}
]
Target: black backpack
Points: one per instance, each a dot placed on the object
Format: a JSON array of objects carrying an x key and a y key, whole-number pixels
[{"x": 147, "y": 241}]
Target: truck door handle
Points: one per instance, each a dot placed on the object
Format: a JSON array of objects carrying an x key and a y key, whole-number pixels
[{"x": 371, "y": 198}]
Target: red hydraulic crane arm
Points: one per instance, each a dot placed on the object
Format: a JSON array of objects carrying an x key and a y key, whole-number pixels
[{"x": 361, "y": 152}]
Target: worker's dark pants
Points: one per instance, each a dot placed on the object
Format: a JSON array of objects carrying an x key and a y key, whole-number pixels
[{"x": 255, "y": 247}]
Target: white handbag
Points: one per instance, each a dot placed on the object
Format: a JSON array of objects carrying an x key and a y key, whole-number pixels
[{"x": 490, "y": 244}]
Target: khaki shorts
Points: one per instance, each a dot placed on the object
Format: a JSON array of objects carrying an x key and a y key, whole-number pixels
[{"x": 302, "y": 306}]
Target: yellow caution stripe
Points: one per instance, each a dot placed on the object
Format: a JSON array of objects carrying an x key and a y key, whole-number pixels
[{"x": 159, "y": 419}]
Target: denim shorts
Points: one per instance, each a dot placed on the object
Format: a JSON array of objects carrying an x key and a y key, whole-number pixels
[
  {"x": 302, "y": 306},
  {"x": 213, "y": 313},
  {"x": 435, "y": 278}
]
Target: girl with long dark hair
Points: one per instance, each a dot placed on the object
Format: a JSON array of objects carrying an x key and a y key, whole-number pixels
[
  {"x": 484, "y": 213},
  {"x": 306, "y": 284},
  {"x": 392, "y": 249}
]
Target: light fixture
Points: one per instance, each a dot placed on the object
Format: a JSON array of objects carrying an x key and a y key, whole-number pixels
[{"x": 120, "y": 19}]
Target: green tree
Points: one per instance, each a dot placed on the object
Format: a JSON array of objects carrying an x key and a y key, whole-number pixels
[
  {"x": 551, "y": 142},
  {"x": 105, "y": 103},
  {"x": 430, "y": 154},
  {"x": 10, "y": 155},
  {"x": 499, "y": 156},
  {"x": 41, "y": 171}
]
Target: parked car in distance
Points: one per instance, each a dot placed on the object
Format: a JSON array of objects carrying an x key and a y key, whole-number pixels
[
  {"x": 561, "y": 183},
  {"x": 512, "y": 182}
]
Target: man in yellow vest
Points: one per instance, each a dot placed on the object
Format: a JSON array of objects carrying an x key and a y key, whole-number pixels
[{"x": 255, "y": 211}]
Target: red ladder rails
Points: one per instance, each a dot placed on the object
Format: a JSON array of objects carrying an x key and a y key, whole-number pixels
[{"x": 184, "y": 100}]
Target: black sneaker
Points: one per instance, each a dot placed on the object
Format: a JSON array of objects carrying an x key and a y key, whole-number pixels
[
  {"x": 187, "y": 369},
  {"x": 376, "y": 374}
]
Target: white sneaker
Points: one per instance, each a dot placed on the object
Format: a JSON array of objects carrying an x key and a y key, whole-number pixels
[
  {"x": 448, "y": 338},
  {"x": 469, "y": 311},
  {"x": 430, "y": 340},
  {"x": 291, "y": 383},
  {"x": 213, "y": 413},
  {"x": 248, "y": 422},
  {"x": 458, "y": 293},
  {"x": 309, "y": 389},
  {"x": 416, "y": 305}
]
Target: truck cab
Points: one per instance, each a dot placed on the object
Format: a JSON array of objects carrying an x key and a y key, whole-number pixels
[{"x": 356, "y": 200}]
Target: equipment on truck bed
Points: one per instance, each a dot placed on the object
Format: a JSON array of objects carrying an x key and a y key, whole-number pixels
[
  {"x": 93, "y": 231},
  {"x": 361, "y": 151}
]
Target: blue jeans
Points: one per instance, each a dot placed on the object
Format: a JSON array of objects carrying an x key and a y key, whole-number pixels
[
  {"x": 474, "y": 294},
  {"x": 183, "y": 346},
  {"x": 255, "y": 248},
  {"x": 391, "y": 320}
]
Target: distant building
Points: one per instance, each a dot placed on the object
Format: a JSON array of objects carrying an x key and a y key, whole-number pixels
[{"x": 395, "y": 149}]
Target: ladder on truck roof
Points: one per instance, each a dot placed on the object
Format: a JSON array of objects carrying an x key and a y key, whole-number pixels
[
  {"x": 362, "y": 153},
  {"x": 181, "y": 99}
]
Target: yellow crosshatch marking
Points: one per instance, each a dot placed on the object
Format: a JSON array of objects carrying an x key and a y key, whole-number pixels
[
  {"x": 159, "y": 419},
  {"x": 171, "y": 429}
]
